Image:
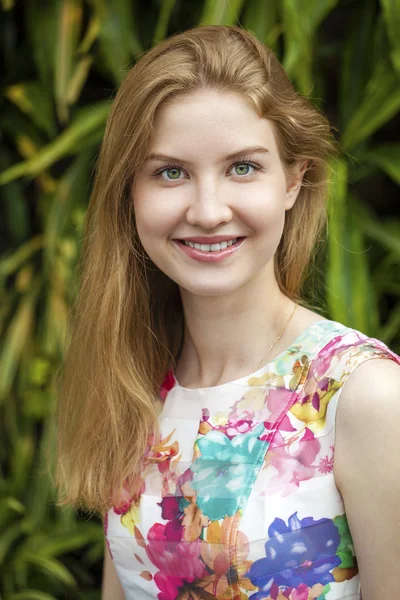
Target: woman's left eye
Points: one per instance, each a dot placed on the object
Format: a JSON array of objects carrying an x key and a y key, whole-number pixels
[
  {"x": 242, "y": 163},
  {"x": 246, "y": 163}
]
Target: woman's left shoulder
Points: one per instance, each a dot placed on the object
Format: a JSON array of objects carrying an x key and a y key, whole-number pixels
[
  {"x": 366, "y": 468},
  {"x": 377, "y": 382},
  {"x": 374, "y": 377}
]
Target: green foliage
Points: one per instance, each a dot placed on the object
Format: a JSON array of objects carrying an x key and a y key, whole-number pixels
[{"x": 55, "y": 103}]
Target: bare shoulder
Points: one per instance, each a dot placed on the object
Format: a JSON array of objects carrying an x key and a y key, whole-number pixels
[
  {"x": 366, "y": 470},
  {"x": 371, "y": 389},
  {"x": 369, "y": 404}
]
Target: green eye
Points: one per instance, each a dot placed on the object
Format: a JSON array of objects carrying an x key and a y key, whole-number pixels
[
  {"x": 241, "y": 166},
  {"x": 177, "y": 171}
]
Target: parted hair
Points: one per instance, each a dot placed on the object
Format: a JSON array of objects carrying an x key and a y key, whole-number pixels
[{"x": 125, "y": 325}]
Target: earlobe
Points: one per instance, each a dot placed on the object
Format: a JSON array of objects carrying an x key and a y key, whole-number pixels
[
  {"x": 294, "y": 188},
  {"x": 291, "y": 198},
  {"x": 292, "y": 192}
]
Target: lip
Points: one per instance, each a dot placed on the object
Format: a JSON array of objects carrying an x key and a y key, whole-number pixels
[
  {"x": 216, "y": 239},
  {"x": 209, "y": 257}
]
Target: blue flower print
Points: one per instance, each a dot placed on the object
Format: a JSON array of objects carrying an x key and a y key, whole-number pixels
[
  {"x": 225, "y": 470},
  {"x": 302, "y": 552}
]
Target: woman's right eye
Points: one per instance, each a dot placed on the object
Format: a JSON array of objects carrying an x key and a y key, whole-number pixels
[{"x": 167, "y": 168}]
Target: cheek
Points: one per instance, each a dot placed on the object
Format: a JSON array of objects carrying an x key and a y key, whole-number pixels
[
  {"x": 155, "y": 218},
  {"x": 263, "y": 208}
]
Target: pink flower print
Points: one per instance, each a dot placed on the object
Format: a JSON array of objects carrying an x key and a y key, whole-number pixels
[
  {"x": 178, "y": 564},
  {"x": 167, "y": 385},
  {"x": 326, "y": 356},
  {"x": 125, "y": 501},
  {"x": 248, "y": 412},
  {"x": 326, "y": 464},
  {"x": 301, "y": 592},
  {"x": 169, "y": 586},
  {"x": 334, "y": 350},
  {"x": 277, "y": 402},
  {"x": 258, "y": 406},
  {"x": 294, "y": 463},
  {"x": 241, "y": 426}
]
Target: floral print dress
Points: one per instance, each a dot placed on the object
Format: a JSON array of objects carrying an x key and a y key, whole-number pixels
[{"x": 238, "y": 498}]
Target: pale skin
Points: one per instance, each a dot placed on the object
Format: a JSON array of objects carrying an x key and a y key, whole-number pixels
[{"x": 234, "y": 309}]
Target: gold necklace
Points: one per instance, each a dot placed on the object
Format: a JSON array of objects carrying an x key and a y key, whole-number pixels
[{"x": 277, "y": 339}]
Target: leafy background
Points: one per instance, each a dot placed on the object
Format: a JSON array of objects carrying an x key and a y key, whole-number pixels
[{"x": 62, "y": 63}]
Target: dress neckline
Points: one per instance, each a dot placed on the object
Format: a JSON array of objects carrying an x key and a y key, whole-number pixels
[{"x": 260, "y": 371}]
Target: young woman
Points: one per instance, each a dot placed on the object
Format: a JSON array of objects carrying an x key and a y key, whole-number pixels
[{"x": 199, "y": 410}]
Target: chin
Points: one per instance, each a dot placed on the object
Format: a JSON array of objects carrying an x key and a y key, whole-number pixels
[{"x": 210, "y": 288}]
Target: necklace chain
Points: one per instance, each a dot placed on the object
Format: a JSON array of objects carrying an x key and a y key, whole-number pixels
[{"x": 277, "y": 339}]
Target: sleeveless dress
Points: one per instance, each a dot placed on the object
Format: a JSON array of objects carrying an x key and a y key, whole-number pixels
[{"x": 238, "y": 498}]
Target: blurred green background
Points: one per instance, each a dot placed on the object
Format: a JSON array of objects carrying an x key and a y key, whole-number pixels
[{"x": 62, "y": 61}]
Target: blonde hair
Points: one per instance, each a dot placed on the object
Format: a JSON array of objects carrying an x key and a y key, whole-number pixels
[{"x": 125, "y": 326}]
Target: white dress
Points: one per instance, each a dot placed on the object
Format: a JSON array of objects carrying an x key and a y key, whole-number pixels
[{"x": 238, "y": 498}]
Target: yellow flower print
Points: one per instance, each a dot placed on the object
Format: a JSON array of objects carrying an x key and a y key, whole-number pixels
[
  {"x": 132, "y": 517},
  {"x": 221, "y": 418},
  {"x": 223, "y": 558},
  {"x": 312, "y": 405}
]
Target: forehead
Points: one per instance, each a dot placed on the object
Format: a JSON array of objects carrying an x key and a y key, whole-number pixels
[{"x": 209, "y": 121}]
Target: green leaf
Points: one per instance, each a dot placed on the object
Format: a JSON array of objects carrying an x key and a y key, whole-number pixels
[
  {"x": 381, "y": 102},
  {"x": 163, "y": 20},
  {"x": 223, "y": 12},
  {"x": 50, "y": 567},
  {"x": 88, "y": 121},
  {"x": 364, "y": 304},
  {"x": 357, "y": 60},
  {"x": 91, "y": 35},
  {"x": 338, "y": 293},
  {"x": 31, "y": 595},
  {"x": 14, "y": 339},
  {"x": 78, "y": 80},
  {"x": 261, "y": 18},
  {"x": 11, "y": 262},
  {"x": 22, "y": 457},
  {"x": 72, "y": 190},
  {"x": 118, "y": 35},
  {"x": 42, "y": 491},
  {"x": 43, "y": 39},
  {"x": 59, "y": 544},
  {"x": 390, "y": 330},
  {"x": 391, "y": 11},
  {"x": 8, "y": 506},
  {"x": 387, "y": 157},
  {"x": 69, "y": 28},
  {"x": 33, "y": 99},
  {"x": 8, "y": 537},
  {"x": 17, "y": 221},
  {"x": 387, "y": 233},
  {"x": 350, "y": 296},
  {"x": 301, "y": 19}
]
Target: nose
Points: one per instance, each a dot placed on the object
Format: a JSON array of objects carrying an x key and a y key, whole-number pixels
[{"x": 208, "y": 208}]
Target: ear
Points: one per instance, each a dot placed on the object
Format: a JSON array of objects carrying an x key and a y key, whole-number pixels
[{"x": 294, "y": 182}]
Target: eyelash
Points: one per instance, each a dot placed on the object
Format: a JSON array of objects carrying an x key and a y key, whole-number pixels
[{"x": 244, "y": 161}]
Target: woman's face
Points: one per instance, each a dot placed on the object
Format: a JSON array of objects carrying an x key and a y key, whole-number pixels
[{"x": 194, "y": 190}]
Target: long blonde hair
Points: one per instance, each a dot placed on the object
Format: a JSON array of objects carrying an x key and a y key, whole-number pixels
[{"x": 125, "y": 326}]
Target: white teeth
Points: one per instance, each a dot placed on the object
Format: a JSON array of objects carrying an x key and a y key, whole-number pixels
[{"x": 211, "y": 247}]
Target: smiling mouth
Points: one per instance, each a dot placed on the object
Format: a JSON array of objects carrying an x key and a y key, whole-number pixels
[{"x": 212, "y": 247}]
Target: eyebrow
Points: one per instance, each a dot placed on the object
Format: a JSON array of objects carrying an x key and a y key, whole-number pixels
[{"x": 249, "y": 150}]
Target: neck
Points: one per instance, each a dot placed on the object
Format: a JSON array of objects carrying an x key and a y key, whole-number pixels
[{"x": 225, "y": 337}]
